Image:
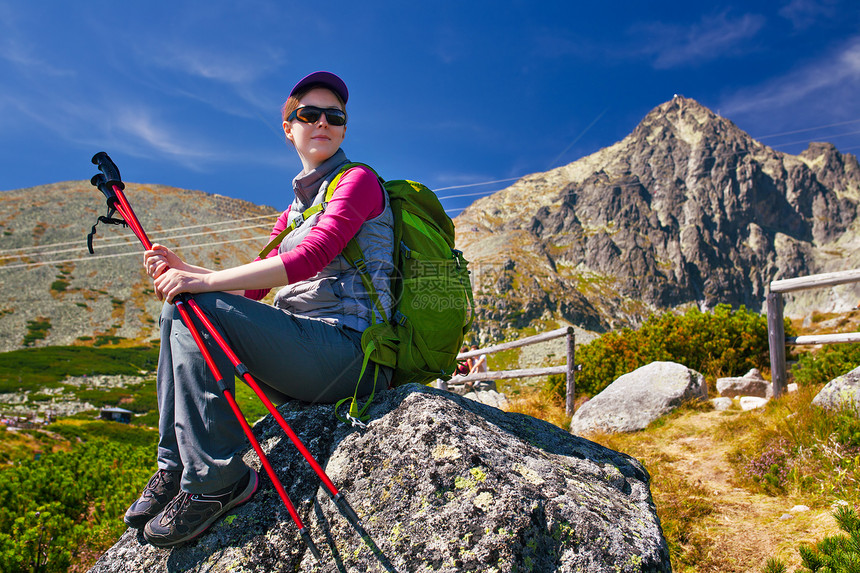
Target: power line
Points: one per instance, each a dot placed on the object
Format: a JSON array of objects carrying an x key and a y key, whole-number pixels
[
  {"x": 135, "y": 253},
  {"x": 182, "y": 228},
  {"x": 806, "y": 129},
  {"x": 553, "y": 162},
  {"x": 126, "y": 240},
  {"x": 478, "y": 184},
  {"x": 807, "y": 140},
  {"x": 470, "y": 194},
  {"x": 578, "y": 137}
]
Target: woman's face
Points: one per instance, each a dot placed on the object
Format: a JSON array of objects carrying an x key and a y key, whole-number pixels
[{"x": 316, "y": 142}]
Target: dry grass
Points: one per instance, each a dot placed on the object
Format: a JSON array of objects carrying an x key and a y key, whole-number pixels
[
  {"x": 712, "y": 523},
  {"x": 712, "y": 520},
  {"x": 715, "y": 518},
  {"x": 539, "y": 404}
]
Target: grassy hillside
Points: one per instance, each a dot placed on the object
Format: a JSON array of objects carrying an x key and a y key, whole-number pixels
[
  {"x": 66, "y": 485},
  {"x": 39, "y": 379},
  {"x": 53, "y": 292}
]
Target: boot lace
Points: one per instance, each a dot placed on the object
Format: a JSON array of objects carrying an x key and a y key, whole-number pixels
[{"x": 176, "y": 506}]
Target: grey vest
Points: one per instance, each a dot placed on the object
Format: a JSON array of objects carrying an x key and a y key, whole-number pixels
[{"x": 336, "y": 294}]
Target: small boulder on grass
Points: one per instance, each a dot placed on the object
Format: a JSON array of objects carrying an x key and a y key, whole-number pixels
[
  {"x": 842, "y": 391},
  {"x": 750, "y": 384},
  {"x": 638, "y": 398}
]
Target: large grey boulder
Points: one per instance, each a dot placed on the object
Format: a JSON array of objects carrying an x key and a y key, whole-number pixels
[
  {"x": 638, "y": 398},
  {"x": 840, "y": 392},
  {"x": 441, "y": 483}
]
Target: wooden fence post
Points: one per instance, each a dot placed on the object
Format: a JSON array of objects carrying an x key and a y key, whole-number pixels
[
  {"x": 776, "y": 342},
  {"x": 571, "y": 372}
]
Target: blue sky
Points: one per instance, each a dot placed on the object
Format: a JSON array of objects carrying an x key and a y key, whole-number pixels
[{"x": 463, "y": 96}]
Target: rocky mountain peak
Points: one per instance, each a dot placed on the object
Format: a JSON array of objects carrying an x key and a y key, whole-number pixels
[
  {"x": 687, "y": 120},
  {"x": 840, "y": 172},
  {"x": 687, "y": 209}
]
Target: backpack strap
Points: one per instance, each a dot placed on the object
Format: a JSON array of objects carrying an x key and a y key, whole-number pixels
[
  {"x": 307, "y": 214},
  {"x": 358, "y": 416},
  {"x": 312, "y": 210},
  {"x": 355, "y": 256}
]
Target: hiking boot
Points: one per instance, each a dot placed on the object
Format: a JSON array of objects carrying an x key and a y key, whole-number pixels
[
  {"x": 189, "y": 515},
  {"x": 162, "y": 487}
]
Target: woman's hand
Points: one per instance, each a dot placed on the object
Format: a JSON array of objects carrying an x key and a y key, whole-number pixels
[
  {"x": 172, "y": 276},
  {"x": 159, "y": 258},
  {"x": 172, "y": 282}
]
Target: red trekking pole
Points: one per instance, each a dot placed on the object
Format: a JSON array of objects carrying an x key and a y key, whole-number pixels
[{"x": 111, "y": 185}]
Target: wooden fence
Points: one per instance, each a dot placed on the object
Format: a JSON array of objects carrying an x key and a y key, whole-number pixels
[
  {"x": 568, "y": 369},
  {"x": 776, "y": 338}
]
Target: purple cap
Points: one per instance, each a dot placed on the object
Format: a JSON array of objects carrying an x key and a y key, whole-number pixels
[{"x": 324, "y": 79}]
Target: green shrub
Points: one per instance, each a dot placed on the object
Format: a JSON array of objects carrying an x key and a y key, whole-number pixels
[
  {"x": 150, "y": 419},
  {"x": 65, "y": 500},
  {"x": 91, "y": 430},
  {"x": 41, "y": 539},
  {"x": 827, "y": 363},
  {"x": 144, "y": 398},
  {"x": 774, "y": 565},
  {"x": 37, "y": 329},
  {"x": 723, "y": 342},
  {"x": 107, "y": 339},
  {"x": 31, "y": 368}
]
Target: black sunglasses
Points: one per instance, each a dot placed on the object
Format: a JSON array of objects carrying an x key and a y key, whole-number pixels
[{"x": 311, "y": 114}]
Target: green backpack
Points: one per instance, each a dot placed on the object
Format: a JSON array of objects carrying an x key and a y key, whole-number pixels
[{"x": 433, "y": 304}]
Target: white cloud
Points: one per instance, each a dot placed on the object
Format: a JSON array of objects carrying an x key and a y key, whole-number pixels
[
  {"x": 139, "y": 125},
  {"x": 28, "y": 64},
  {"x": 230, "y": 81},
  {"x": 830, "y": 83},
  {"x": 135, "y": 129},
  {"x": 804, "y": 13},
  {"x": 672, "y": 45},
  {"x": 141, "y": 132},
  {"x": 241, "y": 63},
  {"x": 19, "y": 46},
  {"x": 233, "y": 68}
]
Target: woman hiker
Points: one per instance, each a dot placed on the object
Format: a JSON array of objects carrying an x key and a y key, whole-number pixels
[{"x": 307, "y": 346}]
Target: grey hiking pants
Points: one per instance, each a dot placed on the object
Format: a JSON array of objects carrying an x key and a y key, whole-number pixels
[{"x": 290, "y": 356}]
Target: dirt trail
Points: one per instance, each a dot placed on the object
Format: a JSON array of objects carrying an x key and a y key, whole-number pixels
[{"x": 745, "y": 528}]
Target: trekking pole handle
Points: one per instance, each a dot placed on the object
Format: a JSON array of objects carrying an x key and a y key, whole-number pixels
[
  {"x": 100, "y": 181},
  {"x": 109, "y": 168}
]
